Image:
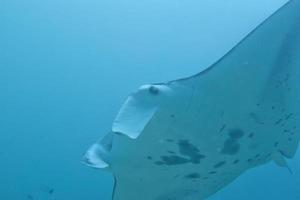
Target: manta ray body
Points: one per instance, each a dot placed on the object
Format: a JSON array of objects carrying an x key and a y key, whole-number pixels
[{"x": 189, "y": 138}]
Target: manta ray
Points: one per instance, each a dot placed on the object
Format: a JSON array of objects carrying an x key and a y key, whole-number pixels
[{"x": 189, "y": 138}]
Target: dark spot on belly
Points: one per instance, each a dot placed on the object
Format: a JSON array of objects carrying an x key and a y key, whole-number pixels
[
  {"x": 171, "y": 152},
  {"x": 174, "y": 160},
  {"x": 236, "y": 161},
  {"x": 191, "y": 151},
  {"x": 51, "y": 191},
  {"x": 286, "y": 131},
  {"x": 251, "y": 135},
  {"x": 222, "y": 128},
  {"x": 236, "y": 133},
  {"x": 278, "y": 121},
  {"x": 219, "y": 164},
  {"x": 149, "y": 157},
  {"x": 287, "y": 117},
  {"x": 231, "y": 147},
  {"x": 193, "y": 176},
  {"x": 213, "y": 172}
]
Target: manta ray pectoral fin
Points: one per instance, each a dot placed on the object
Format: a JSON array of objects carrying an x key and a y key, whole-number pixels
[{"x": 279, "y": 159}]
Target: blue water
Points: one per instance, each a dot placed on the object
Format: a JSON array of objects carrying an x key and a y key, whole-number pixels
[{"x": 67, "y": 66}]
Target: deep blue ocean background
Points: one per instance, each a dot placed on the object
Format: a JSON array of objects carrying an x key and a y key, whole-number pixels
[{"x": 67, "y": 66}]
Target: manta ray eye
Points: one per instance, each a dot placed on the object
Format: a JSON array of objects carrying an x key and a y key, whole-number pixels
[{"x": 154, "y": 90}]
